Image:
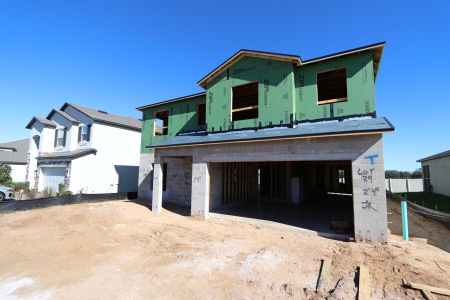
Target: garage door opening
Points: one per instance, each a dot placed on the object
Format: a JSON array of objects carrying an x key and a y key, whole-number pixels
[
  {"x": 52, "y": 177},
  {"x": 312, "y": 195}
]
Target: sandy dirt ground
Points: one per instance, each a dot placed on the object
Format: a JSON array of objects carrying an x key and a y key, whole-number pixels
[{"x": 121, "y": 250}]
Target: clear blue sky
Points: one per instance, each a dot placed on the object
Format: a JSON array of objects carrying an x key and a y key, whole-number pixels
[{"x": 117, "y": 55}]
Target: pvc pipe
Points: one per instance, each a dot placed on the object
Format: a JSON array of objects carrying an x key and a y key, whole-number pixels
[{"x": 405, "y": 219}]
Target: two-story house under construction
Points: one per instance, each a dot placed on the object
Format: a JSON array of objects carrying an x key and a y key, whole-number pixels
[
  {"x": 273, "y": 128},
  {"x": 87, "y": 150}
]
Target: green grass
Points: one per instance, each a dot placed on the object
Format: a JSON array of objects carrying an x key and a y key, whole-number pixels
[{"x": 429, "y": 200}]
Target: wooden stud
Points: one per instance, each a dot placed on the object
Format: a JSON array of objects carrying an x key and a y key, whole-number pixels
[
  {"x": 324, "y": 278},
  {"x": 364, "y": 284}
]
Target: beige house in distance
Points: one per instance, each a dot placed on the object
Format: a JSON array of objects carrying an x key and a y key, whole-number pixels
[{"x": 436, "y": 173}]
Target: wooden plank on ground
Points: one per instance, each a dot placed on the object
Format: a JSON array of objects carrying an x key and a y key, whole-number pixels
[
  {"x": 324, "y": 278},
  {"x": 364, "y": 284},
  {"x": 427, "y": 295},
  {"x": 425, "y": 287}
]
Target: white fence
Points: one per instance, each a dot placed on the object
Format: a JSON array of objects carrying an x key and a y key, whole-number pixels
[{"x": 404, "y": 185}]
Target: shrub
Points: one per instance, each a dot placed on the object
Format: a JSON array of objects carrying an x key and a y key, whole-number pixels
[
  {"x": 5, "y": 174},
  {"x": 62, "y": 191},
  {"x": 20, "y": 186},
  {"x": 48, "y": 192}
]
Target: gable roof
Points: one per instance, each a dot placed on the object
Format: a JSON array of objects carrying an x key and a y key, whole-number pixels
[
  {"x": 104, "y": 117},
  {"x": 325, "y": 128},
  {"x": 43, "y": 121},
  {"x": 295, "y": 59},
  {"x": 18, "y": 155},
  {"x": 63, "y": 114},
  {"x": 439, "y": 155},
  {"x": 375, "y": 49}
]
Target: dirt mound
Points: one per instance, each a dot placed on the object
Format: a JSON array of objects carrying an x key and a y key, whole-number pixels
[{"x": 122, "y": 250}]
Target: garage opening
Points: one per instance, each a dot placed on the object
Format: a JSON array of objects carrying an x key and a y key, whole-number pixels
[
  {"x": 52, "y": 177},
  {"x": 315, "y": 195}
]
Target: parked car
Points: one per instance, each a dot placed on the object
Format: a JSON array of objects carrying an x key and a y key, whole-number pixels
[{"x": 6, "y": 193}]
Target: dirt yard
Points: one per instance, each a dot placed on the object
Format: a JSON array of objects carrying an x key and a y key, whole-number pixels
[{"x": 121, "y": 250}]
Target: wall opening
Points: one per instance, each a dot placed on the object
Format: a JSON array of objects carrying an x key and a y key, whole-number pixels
[
  {"x": 245, "y": 102},
  {"x": 161, "y": 123},
  {"x": 332, "y": 86}
]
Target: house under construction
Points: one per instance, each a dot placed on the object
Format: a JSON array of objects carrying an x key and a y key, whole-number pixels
[{"x": 278, "y": 131}]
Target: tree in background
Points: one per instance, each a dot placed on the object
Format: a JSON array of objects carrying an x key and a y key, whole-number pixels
[
  {"x": 5, "y": 174},
  {"x": 395, "y": 174}
]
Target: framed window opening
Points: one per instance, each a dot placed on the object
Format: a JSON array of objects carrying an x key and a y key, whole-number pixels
[
  {"x": 332, "y": 86},
  {"x": 201, "y": 114},
  {"x": 161, "y": 126},
  {"x": 244, "y": 102}
]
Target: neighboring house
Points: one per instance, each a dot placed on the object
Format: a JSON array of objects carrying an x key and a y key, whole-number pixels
[
  {"x": 436, "y": 173},
  {"x": 14, "y": 154},
  {"x": 87, "y": 150},
  {"x": 277, "y": 128}
]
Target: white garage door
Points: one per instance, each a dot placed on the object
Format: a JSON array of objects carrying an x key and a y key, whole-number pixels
[{"x": 52, "y": 177}]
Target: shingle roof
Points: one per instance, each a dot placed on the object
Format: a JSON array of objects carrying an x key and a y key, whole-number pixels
[
  {"x": 349, "y": 126},
  {"x": 101, "y": 116},
  {"x": 439, "y": 155},
  {"x": 41, "y": 120},
  {"x": 18, "y": 155},
  {"x": 64, "y": 114},
  {"x": 68, "y": 154}
]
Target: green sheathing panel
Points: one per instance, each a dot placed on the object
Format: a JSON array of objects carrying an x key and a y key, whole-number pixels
[
  {"x": 360, "y": 88},
  {"x": 276, "y": 90},
  {"x": 182, "y": 116}
]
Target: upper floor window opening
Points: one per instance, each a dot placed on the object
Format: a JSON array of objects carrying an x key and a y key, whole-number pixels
[
  {"x": 201, "y": 114},
  {"x": 332, "y": 86},
  {"x": 245, "y": 102},
  {"x": 161, "y": 126}
]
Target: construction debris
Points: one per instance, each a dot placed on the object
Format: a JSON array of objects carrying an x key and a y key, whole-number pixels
[
  {"x": 364, "y": 284},
  {"x": 324, "y": 278},
  {"x": 424, "y": 287}
]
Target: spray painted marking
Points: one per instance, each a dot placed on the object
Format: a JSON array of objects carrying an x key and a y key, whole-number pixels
[{"x": 372, "y": 158}]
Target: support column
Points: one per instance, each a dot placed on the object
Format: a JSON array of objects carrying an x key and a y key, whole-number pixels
[
  {"x": 200, "y": 189},
  {"x": 157, "y": 186},
  {"x": 369, "y": 194}
]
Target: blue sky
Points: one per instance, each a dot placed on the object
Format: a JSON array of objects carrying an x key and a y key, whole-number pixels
[{"x": 118, "y": 55}]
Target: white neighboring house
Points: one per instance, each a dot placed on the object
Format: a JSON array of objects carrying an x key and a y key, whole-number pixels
[
  {"x": 14, "y": 154},
  {"x": 87, "y": 150},
  {"x": 436, "y": 173}
]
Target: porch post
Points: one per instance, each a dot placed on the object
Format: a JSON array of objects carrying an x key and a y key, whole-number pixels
[
  {"x": 157, "y": 186},
  {"x": 200, "y": 193}
]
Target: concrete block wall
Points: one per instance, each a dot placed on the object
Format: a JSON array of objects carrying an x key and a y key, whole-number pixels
[
  {"x": 200, "y": 189},
  {"x": 179, "y": 177},
  {"x": 145, "y": 179},
  {"x": 369, "y": 196},
  {"x": 157, "y": 186}
]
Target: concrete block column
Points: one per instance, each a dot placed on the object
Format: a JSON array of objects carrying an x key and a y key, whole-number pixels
[
  {"x": 157, "y": 186},
  {"x": 369, "y": 195},
  {"x": 200, "y": 192}
]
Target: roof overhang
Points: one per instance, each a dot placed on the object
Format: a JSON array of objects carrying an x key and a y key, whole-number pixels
[
  {"x": 301, "y": 131},
  {"x": 295, "y": 59},
  {"x": 141, "y": 108},
  {"x": 68, "y": 154},
  {"x": 375, "y": 49}
]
